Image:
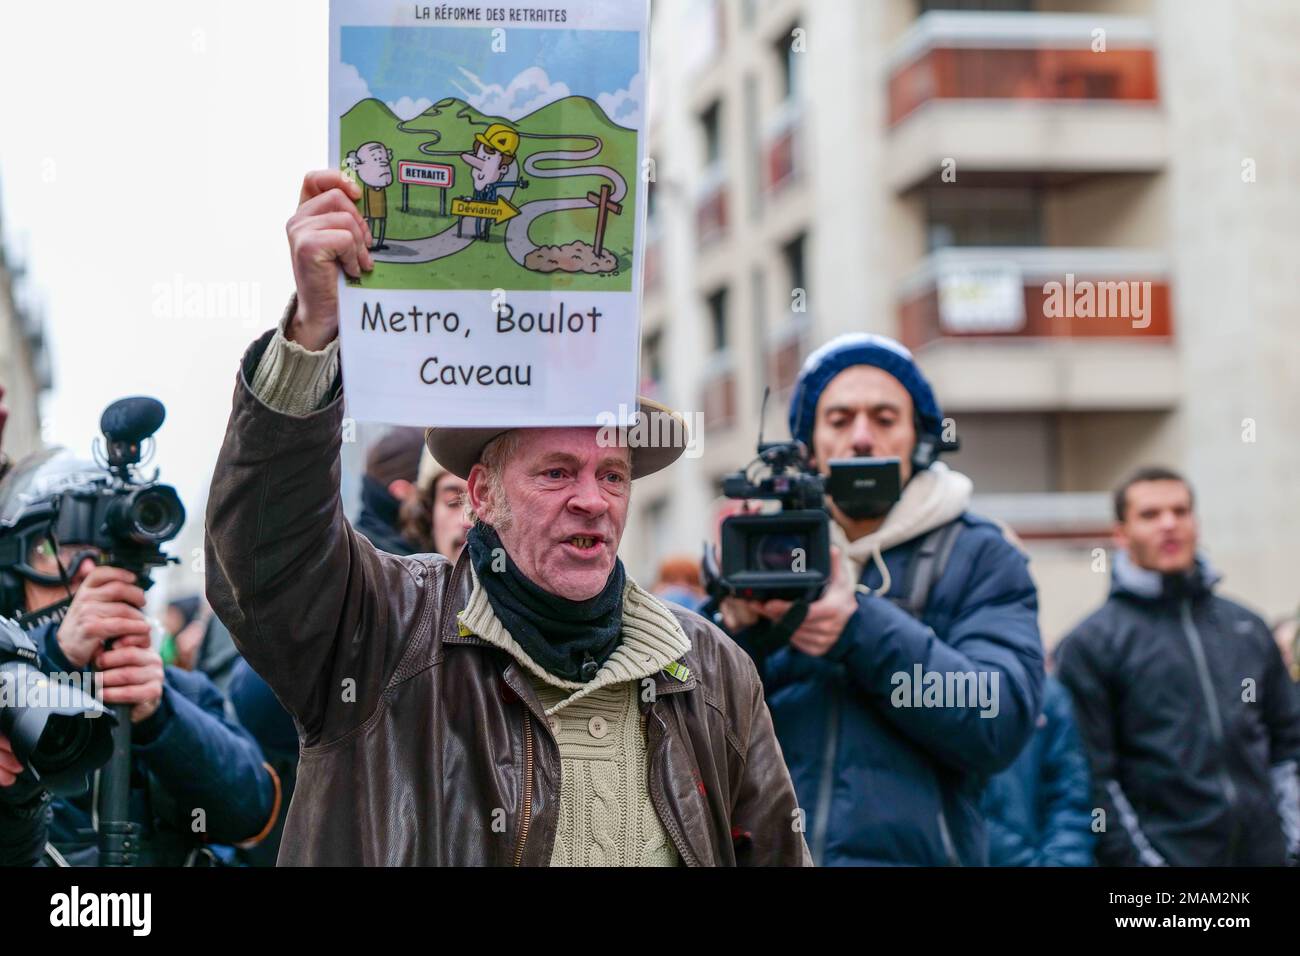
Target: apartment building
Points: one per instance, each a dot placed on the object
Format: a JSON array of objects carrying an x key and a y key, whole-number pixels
[
  {"x": 24, "y": 359},
  {"x": 1079, "y": 214}
]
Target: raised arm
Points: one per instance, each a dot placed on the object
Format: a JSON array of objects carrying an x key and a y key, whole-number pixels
[{"x": 316, "y": 610}]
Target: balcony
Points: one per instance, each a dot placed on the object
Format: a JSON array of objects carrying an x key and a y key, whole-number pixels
[
  {"x": 711, "y": 205},
  {"x": 718, "y": 393},
  {"x": 1024, "y": 91},
  {"x": 781, "y": 144},
  {"x": 1043, "y": 328},
  {"x": 784, "y": 353}
]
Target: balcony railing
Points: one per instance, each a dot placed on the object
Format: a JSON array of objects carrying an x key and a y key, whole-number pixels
[
  {"x": 711, "y": 210},
  {"x": 1022, "y": 56},
  {"x": 781, "y": 145},
  {"x": 784, "y": 353},
  {"x": 718, "y": 394},
  {"x": 1036, "y": 293}
]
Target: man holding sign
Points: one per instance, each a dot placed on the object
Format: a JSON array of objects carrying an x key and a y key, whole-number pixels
[{"x": 530, "y": 705}]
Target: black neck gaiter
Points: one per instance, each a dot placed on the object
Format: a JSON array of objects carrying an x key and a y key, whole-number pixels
[{"x": 569, "y": 639}]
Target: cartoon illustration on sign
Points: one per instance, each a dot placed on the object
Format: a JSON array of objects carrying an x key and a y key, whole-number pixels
[
  {"x": 490, "y": 164},
  {"x": 518, "y": 169},
  {"x": 372, "y": 164}
]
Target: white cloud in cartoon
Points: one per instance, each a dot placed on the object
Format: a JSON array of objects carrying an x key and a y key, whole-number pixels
[
  {"x": 624, "y": 106},
  {"x": 528, "y": 92},
  {"x": 354, "y": 88}
]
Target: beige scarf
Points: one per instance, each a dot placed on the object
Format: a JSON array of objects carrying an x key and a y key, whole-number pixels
[{"x": 931, "y": 499}]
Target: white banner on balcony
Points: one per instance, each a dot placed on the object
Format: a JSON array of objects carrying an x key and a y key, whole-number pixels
[
  {"x": 988, "y": 298},
  {"x": 507, "y": 279}
]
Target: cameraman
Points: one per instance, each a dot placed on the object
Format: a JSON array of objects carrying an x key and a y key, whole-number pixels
[
  {"x": 196, "y": 778},
  {"x": 921, "y": 591}
]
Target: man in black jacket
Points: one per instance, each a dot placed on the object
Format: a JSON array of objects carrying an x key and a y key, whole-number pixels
[
  {"x": 1182, "y": 701},
  {"x": 392, "y": 466}
]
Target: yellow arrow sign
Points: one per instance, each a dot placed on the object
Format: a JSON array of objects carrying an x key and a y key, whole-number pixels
[{"x": 499, "y": 211}]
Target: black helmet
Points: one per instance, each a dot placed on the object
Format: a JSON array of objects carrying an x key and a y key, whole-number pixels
[{"x": 31, "y": 513}]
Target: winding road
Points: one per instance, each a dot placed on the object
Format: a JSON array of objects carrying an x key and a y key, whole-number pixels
[{"x": 447, "y": 243}]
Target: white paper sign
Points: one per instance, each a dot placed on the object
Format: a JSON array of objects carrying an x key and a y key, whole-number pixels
[
  {"x": 512, "y": 297},
  {"x": 982, "y": 299}
]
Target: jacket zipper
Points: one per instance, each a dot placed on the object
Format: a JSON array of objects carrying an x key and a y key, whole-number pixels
[
  {"x": 1216, "y": 719},
  {"x": 528, "y": 788}
]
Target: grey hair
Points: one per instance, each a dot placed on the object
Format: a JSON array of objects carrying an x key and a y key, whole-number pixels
[{"x": 493, "y": 458}]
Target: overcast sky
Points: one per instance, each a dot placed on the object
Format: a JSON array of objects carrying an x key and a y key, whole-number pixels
[{"x": 145, "y": 147}]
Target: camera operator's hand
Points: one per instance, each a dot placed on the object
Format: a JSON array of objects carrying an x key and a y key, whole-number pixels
[
  {"x": 10, "y": 768},
  {"x": 326, "y": 232},
  {"x": 107, "y": 605},
  {"x": 827, "y": 616},
  {"x": 132, "y": 672},
  {"x": 738, "y": 615}
]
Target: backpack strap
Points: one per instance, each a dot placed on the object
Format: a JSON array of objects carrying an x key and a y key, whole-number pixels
[{"x": 927, "y": 566}]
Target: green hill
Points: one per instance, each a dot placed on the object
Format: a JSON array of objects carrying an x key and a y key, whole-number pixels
[{"x": 447, "y": 129}]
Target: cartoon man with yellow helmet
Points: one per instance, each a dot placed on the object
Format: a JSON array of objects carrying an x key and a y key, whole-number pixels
[{"x": 494, "y": 153}]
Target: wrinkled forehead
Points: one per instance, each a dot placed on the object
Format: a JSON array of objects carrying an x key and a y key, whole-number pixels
[
  {"x": 863, "y": 388},
  {"x": 374, "y": 153},
  {"x": 587, "y": 447}
]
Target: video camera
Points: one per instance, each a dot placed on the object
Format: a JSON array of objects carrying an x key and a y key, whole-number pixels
[
  {"x": 122, "y": 519},
  {"x": 785, "y": 555}
]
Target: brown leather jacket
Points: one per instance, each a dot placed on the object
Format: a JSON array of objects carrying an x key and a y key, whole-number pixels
[{"x": 420, "y": 746}]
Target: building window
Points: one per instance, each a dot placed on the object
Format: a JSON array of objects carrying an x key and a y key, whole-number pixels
[
  {"x": 652, "y": 364},
  {"x": 793, "y": 252},
  {"x": 717, "y": 304},
  {"x": 711, "y": 124},
  {"x": 979, "y": 216},
  {"x": 788, "y": 63},
  {"x": 981, "y": 6}
]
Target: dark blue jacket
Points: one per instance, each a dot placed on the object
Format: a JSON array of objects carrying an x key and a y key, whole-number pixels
[
  {"x": 186, "y": 756},
  {"x": 1039, "y": 810},
  {"x": 886, "y": 784}
]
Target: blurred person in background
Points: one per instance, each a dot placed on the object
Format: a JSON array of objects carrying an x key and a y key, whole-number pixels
[
  {"x": 1039, "y": 810},
  {"x": 679, "y": 581},
  {"x": 434, "y": 519},
  {"x": 1183, "y": 701},
  {"x": 185, "y": 755},
  {"x": 1286, "y": 632},
  {"x": 924, "y": 585},
  {"x": 201, "y": 642},
  {"x": 392, "y": 468}
]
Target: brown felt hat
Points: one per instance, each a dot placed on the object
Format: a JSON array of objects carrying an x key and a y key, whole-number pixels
[{"x": 655, "y": 446}]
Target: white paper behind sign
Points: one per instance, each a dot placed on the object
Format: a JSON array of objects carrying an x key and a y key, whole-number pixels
[{"x": 981, "y": 299}]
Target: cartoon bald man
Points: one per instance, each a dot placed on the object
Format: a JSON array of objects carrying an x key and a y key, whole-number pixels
[{"x": 373, "y": 165}]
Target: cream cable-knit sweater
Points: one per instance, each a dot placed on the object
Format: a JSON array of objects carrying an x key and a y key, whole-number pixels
[{"x": 606, "y": 817}]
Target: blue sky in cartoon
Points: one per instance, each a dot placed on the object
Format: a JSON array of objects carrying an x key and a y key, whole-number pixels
[{"x": 427, "y": 62}]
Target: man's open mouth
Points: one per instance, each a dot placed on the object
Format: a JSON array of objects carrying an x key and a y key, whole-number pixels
[{"x": 585, "y": 542}]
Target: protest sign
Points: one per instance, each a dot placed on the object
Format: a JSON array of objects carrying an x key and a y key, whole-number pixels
[{"x": 499, "y": 150}]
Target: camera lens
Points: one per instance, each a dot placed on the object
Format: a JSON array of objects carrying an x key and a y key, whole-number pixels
[
  {"x": 148, "y": 516},
  {"x": 776, "y": 552},
  {"x": 65, "y": 741}
]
